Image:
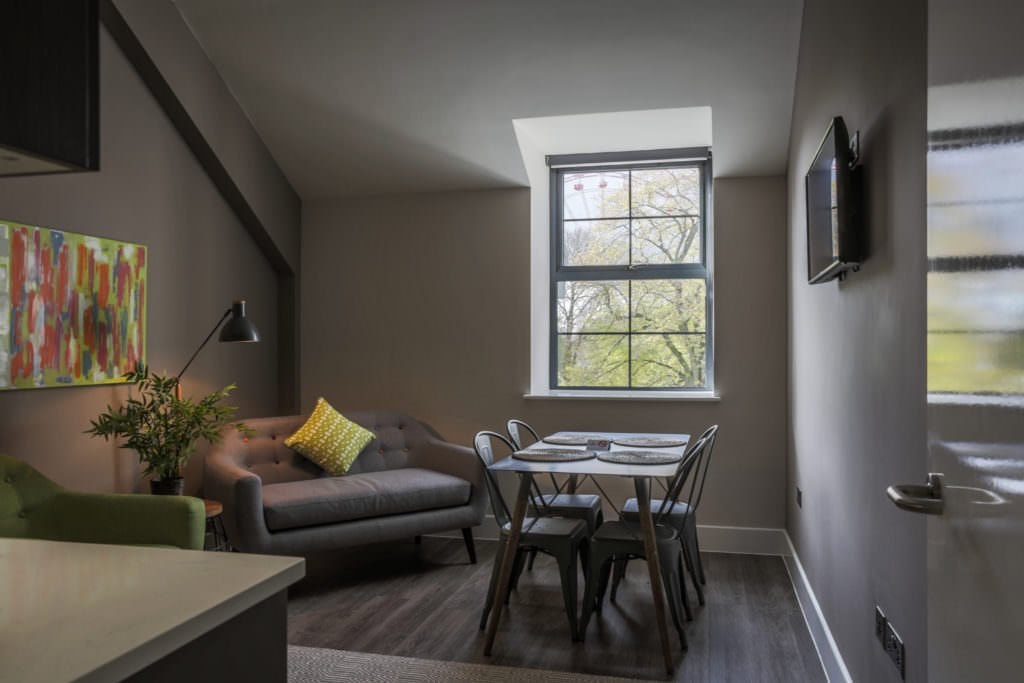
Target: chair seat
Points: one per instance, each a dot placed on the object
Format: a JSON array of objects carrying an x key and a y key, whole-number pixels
[
  {"x": 575, "y": 506},
  {"x": 540, "y": 527},
  {"x": 676, "y": 516},
  {"x": 626, "y": 532}
]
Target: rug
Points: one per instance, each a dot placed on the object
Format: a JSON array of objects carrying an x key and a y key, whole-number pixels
[{"x": 319, "y": 665}]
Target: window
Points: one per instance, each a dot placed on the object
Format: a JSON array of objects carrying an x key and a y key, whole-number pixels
[
  {"x": 630, "y": 278},
  {"x": 976, "y": 260}
]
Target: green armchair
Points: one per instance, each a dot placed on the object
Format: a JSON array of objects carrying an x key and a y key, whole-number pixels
[{"x": 32, "y": 506}]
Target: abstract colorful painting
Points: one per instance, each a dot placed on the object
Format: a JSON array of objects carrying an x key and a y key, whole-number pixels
[{"x": 72, "y": 307}]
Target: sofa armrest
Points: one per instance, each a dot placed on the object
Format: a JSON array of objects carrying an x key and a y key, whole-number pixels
[
  {"x": 241, "y": 493},
  {"x": 449, "y": 458},
  {"x": 123, "y": 519}
]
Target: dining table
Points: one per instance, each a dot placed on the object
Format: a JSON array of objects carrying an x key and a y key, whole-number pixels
[{"x": 641, "y": 472}]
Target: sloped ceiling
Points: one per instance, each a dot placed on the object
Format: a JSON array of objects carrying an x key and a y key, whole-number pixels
[{"x": 363, "y": 97}]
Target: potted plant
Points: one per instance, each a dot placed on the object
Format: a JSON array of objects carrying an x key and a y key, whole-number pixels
[{"x": 164, "y": 429}]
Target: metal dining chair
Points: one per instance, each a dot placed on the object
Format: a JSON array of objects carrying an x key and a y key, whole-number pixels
[
  {"x": 682, "y": 516},
  {"x": 572, "y": 505},
  {"x": 690, "y": 532},
  {"x": 513, "y": 428},
  {"x": 563, "y": 538},
  {"x": 623, "y": 540}
]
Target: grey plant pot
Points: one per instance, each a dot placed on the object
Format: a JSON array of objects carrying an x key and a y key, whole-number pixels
[{"x": 167, "y": 487}]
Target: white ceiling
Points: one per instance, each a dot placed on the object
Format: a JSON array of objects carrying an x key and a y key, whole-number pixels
[{"x": 356, "y": 97}]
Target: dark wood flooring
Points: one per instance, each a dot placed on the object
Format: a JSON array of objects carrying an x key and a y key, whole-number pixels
[{"x": 425, "y": 601}]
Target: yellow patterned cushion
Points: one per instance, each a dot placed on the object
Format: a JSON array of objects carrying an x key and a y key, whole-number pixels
[{"x": 330, "y": 439}]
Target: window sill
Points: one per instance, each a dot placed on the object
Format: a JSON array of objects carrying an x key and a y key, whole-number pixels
[
  {"x": 690, "y": 396},
  {"x": 1000, "y": 400}
]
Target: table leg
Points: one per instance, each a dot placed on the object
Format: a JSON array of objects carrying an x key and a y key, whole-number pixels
[
  {"x": 505, "y": 572},
  {"x": 643, "y": 499}
]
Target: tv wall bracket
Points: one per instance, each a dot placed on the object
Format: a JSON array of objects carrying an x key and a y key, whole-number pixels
[
  {"x": 846, "y": 273},
  {"x": 854, "y": 149}
]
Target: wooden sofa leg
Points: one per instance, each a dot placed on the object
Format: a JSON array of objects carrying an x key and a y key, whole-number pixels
[{"x": 467, "y": 536}]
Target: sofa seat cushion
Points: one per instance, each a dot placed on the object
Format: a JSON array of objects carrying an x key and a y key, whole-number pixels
[{"x": 297, "y": 504}]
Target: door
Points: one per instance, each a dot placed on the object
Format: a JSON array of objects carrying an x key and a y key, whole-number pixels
[{"x": 976, "y": 341}]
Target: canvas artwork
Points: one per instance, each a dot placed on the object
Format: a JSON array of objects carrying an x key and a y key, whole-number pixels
[{"x": 72, "y": 307}]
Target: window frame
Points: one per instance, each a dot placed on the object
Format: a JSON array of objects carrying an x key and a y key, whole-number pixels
[{"x": 700, "y": 158}]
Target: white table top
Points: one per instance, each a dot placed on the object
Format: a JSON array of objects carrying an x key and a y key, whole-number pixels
[
  {"x": 91, "y": 612},
  {"x": 593, "y": 465}
]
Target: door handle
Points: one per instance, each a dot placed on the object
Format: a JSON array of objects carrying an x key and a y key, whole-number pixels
[{"x": 926, "y": 498}]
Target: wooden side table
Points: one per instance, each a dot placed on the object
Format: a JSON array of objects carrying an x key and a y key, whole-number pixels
[{"x": 216, "y": 537}]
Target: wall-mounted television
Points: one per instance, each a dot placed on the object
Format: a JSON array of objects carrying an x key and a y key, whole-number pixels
[{"x": 835, "y": 231}]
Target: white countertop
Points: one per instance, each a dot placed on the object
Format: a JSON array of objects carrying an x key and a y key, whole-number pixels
[{"x": 90, "y": 612}]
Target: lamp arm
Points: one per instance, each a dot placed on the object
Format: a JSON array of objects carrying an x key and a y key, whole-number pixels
[{"x": 205, "y": 341}]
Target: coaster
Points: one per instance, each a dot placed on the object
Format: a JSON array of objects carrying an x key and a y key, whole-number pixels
[
  {"x": 650, "y": 442},
  {"x": 570, "y": 439},
  {"x": 552, "y": 455},
  {"x": 639, "y": 457}
]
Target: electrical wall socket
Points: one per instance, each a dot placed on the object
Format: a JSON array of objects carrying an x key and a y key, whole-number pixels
[
  {"x": 880, "y": 622},
  {"x": 894, "y": 648}
]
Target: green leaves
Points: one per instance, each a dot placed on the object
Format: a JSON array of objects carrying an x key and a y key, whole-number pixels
[{"x": 163, "y": 429}]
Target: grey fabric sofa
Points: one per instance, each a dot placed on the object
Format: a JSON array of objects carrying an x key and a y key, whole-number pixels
[{"x": 406, "y": 483}]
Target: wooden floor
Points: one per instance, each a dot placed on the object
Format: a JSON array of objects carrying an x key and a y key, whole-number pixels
[{"x": 425, "y": 601}]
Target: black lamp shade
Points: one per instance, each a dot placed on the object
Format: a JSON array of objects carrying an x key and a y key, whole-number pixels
[{"x": 238, "y": 328}]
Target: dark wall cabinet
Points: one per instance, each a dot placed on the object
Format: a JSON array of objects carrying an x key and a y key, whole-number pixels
[{"x": 49, "y": 86}]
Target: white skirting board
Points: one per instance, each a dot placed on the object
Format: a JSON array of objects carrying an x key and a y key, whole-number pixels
[
  {"x": 828, "y": 652},
  {"x": 751, "y": 541},
  {"x": 713, "y": 539}
]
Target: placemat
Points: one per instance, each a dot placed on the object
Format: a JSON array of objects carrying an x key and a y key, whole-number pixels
[
  {"x": 649, "y": 442},
  {"x": 552, "y": 455},
  {"x": 639, "y": 457},
  {"x": 570, "y": 438}
]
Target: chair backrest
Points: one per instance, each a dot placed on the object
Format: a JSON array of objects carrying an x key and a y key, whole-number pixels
[
  {"x": 689, "y": 465},
  {"x": 33, "y": 506},
  {"x": 711, "y": 435},
  {"x": 483, "y": 444},
  {"x": 22, "y": 489},
  {"x": 513, "y": 428}
]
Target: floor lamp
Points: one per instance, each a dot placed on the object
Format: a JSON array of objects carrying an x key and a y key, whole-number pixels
[{"x": 238, "y": 328}]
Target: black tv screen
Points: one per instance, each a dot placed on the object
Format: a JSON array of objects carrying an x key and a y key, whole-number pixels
[{"x": 834, "y": 229}]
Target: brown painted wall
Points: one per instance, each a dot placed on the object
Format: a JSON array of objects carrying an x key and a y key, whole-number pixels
[
  {"x": 157, "y": 40},
  {"x": 420, "y": 303},
  {"x": 857, "y": 349},
  {"x": 150, "y": 190}
]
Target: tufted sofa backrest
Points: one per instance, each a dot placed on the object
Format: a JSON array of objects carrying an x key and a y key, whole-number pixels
[{"x": 265, "y": 454}]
